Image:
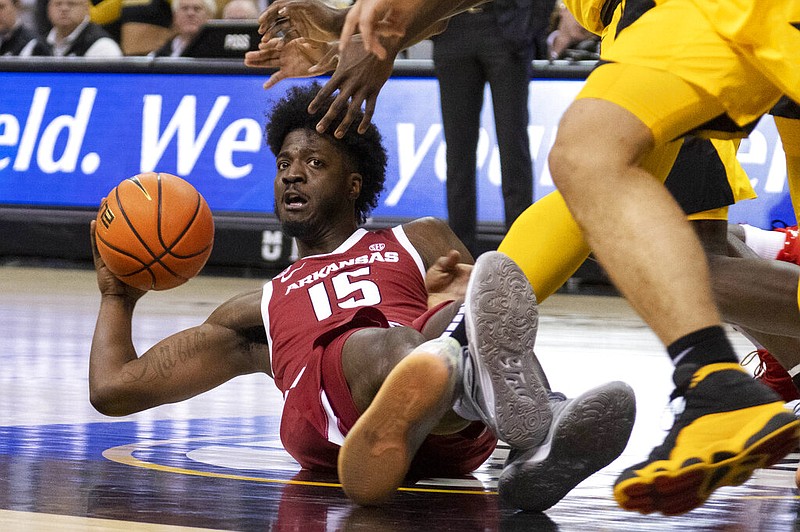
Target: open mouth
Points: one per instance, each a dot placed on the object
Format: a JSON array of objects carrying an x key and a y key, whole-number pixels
[{"x": 293, "y": 200}]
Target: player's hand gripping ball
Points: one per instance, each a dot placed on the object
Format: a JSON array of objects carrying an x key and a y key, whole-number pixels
[{"x": 154, "y": 231}]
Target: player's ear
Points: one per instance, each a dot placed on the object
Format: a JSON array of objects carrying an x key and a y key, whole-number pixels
[{"x": 355, "y": 185}]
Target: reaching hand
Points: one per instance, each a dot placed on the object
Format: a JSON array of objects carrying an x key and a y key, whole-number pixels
[
  {"x": 447, "y": 279},
  {"x": 359, "y": 77},
  {"x": 108, "y": 283},
  {"x": 309, "y": 19},
  {"x": 297, "y": 58}
]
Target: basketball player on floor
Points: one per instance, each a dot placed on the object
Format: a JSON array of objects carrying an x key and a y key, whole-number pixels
[{"x": 351, "y": 317}]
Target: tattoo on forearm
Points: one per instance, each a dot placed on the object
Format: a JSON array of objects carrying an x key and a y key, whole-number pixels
[{"x": 165, "y": 360}]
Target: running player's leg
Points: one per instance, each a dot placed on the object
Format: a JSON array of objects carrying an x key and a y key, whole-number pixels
[
  {"x": 638, "y": 233},
  {"x": 547, "y": 243}
]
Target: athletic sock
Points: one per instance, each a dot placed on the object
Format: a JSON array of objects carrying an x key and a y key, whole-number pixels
[
  {"x": 765, "y": 244},
  {"x": 706, "y": 346},
  {"x": 457, "y": 328},
  {"x": 548, "y": 257}
]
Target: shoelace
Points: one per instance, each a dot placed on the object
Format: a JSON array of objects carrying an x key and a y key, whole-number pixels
[{"x": 762, "y": 366}]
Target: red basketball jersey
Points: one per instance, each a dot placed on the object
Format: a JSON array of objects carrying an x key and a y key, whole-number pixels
[{"x": 319, "y": 294}]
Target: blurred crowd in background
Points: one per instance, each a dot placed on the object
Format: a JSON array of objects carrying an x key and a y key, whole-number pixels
[{"x": 116, "y": 28}]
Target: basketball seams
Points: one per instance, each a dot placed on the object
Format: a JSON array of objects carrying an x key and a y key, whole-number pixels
[
  {"x": 156, "y": 257},
  {"x": 131, "y": 225},
  {"x": 142, "y": 246},
  {"x": 168, "y": 248}
]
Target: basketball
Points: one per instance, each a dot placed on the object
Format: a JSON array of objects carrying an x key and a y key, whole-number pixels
[{"x": 154, "y": 231}]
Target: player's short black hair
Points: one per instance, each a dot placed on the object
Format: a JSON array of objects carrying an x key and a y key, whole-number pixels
[{"x": 366, "y": 151}]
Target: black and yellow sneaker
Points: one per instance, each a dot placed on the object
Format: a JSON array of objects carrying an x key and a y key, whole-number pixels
[{"x": 731, "y": 425}]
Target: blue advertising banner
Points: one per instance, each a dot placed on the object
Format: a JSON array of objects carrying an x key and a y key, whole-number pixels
[{"x": 67, "y": 138}]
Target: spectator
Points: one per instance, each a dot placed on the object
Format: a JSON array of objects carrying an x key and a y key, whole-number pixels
[
  {"x": 145, "y": 25},
  {"x": 106, "y": 13},
  {"x": 188, "y": 16},
  {"x": 16, "y": 38},
  {"x": 73, "y": 34},
  {"x": 240, "y": 10}
]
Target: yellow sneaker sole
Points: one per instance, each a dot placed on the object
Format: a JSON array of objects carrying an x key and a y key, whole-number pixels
[{"x": 688, "y": 478}]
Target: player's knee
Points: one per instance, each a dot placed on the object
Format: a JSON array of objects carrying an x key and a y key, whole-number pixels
[
  {"x": 403, "y": 342},
  {"x": 371, "y": 354},
  {"x": 567, "y": 163}
]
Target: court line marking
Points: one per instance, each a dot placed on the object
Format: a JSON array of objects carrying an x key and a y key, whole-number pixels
[{"x": 123, "y": 454}]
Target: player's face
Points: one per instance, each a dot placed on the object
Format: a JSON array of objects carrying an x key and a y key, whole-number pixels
[{"x": 315, "y": 188}]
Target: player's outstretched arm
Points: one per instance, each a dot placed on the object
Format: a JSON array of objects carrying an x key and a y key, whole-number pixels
[
  {"x": 299, "y": 39},
  {"x": 229, "y": 343},
  {"x": 358, "y": 79}
]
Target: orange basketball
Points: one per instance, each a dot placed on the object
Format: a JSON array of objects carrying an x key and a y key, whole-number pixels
[{"x": 154, "y": 231}]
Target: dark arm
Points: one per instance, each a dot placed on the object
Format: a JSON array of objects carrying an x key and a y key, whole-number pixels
[{"x": 231, "y": 342}]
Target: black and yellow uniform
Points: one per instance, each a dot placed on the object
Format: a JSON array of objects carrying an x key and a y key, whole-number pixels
[
  {"x": 548, "y": 244},
  {"x": 712, "y": 67},
  {"x": 757, "y": 59}
]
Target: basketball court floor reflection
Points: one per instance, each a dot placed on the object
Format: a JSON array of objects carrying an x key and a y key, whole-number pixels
[{"x": 216, "y": 462}]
